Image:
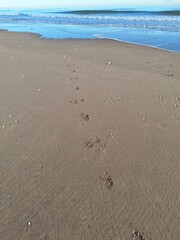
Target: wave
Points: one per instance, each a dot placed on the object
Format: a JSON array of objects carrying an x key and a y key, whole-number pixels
[
  {"x": 15, "y": 14},
  {"x": 147, "y": 20},
  {"x": 24, "y": 15},
  {"x": 99, "y": 12},
  {"x": 88, "y": 12},
  {"x": 173, "y": 12},
  {"x": 119, "y": 14},
  {"x": 108, "y": 18}
]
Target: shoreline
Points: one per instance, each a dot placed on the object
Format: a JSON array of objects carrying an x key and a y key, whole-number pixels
[
  {"x": 88, "y": 39},
  {"x": 89, "y": 136}
]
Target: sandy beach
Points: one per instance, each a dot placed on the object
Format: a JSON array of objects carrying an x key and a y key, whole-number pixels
[{"x": 89, "y": 140}]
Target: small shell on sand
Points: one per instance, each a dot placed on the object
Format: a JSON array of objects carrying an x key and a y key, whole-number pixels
[
  {"x": 161, "y": 98},
  {"x": 109, "y": 63},
  {"x": 28, "y": 224},
  {"x": 144, "y": 120},
  {"x": 15, "y": 122},
  {"x": 111, "y": 135}
]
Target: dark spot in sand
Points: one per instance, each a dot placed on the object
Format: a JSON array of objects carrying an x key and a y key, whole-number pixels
[
  {"x": 107, "y": 180},
  {"x": 170, "y": 74},
  {"x": 136, "y": 235},
  {"x": 85, "y": 116}
]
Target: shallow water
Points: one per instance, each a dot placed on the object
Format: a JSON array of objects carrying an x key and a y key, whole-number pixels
[{"x": 159, "y": 29}]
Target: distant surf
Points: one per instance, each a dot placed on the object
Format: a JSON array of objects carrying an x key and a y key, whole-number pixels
[{"x": 84, "y": 12}]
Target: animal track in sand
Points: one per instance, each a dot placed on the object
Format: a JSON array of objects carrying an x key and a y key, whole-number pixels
[
  {"x": 170, "y": 74},
  {"x": 136, "y": 235},
  {"x": 110, "y": 99},
  {"x": 107, "y": 180},
  {"x": 74, "y": 101},
  {"x": 85, "y": 116},
  {"x": 96, "y": 140},
  {"x": 90, "y": 143},
  {"x": 103, "y": 146}
]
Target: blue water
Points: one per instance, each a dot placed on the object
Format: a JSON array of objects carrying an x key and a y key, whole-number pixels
[{"x": 159, "y": 29}]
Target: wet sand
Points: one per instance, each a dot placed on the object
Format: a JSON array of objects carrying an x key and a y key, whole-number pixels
[{"x": 89, "y": 140}]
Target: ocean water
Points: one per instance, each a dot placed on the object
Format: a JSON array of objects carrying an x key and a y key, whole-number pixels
[{"x": 160, "y": 29}]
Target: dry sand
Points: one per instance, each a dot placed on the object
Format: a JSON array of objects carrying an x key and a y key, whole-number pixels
[{"x": 67, "y": 117}]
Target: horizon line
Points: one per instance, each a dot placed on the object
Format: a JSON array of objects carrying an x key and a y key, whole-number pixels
[{"x": 94, "y": 7}]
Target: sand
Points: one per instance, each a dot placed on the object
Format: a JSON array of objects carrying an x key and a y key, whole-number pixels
[{"x": 89, "y": 140}]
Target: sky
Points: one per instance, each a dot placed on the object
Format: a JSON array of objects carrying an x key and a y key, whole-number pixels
[{"x": 85, "y": 3}]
